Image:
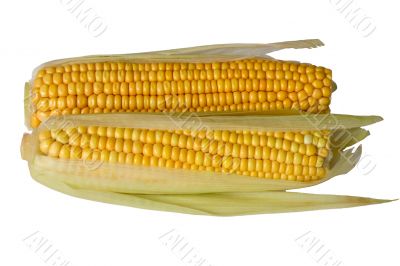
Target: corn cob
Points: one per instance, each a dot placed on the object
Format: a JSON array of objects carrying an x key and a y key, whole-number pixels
[
  {"x": 176, "y": 84},
  {"x": 120, "y": 153},
  {"x": 278, "y": 155}
]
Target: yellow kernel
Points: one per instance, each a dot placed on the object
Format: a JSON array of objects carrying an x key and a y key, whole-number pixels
[
  {"x": 64, "y": 152},
  {"x": 310, "y": 149},
  {"x": 138, "y": 159},
  {"x": 321, "y": 172},
  {"x": 54, "y": 149},
  {"x": 45, "y": 145}
]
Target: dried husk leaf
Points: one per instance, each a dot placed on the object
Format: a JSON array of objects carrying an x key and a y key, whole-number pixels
[{"x": 206, "y": 53}]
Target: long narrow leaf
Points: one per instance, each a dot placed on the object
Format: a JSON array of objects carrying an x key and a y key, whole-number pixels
[{"x": 219, "y": 204}]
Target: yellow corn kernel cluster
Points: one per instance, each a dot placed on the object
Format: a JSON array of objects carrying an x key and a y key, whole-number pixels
[
  {"x": 297, "y": 156},
  {"x": 243, "y": 85}
]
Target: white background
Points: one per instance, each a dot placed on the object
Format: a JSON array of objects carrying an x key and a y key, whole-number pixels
[{"x": 366, "y": 70}]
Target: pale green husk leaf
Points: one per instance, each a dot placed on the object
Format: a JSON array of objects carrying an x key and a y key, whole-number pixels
[{"x": 218, "y": 204}]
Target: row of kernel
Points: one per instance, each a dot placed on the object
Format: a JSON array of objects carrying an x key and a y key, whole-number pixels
[
  {"x": 241, "y": 64},
  {"x": 293, "y": 90},
  {"x": 256, "y": 136},
  {"x": 316, "y": 78},
  {"x": 280, "y": 100},
  {"x": 301, "y": 142},
  {"x": 181, "y": 87},
  {"x": 249, "y": 136},
  {"x": 43, "y": 109}
]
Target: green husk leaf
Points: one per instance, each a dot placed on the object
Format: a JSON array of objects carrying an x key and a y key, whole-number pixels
[
  {"x": 217, "y": 204},
  {"x": 231, "y": 121},
  {"x": 27, "y": 104},
  {"x": 247, "y": 49}
]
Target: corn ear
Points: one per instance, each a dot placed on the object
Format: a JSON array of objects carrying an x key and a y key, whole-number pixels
[
  {"x": 213, "y": 78},
  {"x": 124, "y": 178}
]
